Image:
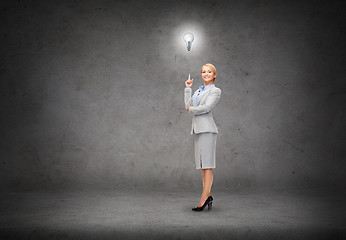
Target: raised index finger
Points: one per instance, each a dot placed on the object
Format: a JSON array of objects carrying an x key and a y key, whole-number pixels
[{"x": 189, "y": 76}]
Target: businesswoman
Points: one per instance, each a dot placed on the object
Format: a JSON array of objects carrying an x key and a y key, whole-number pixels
[{"x": 199, "y": 105}]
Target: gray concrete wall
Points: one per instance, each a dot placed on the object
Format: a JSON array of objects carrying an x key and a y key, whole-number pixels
[{"x": 92, "y": 93}]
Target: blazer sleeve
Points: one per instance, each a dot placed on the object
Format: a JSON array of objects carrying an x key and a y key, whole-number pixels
[
  {"x": 187, "y": 97},
  {"x": 211, "y": 101}
]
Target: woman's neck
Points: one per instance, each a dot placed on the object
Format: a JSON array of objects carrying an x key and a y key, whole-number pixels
[{"x": 208, "y": 83}]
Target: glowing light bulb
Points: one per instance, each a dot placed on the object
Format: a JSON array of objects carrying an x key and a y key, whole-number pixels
[{"x": 188, "y": 37}]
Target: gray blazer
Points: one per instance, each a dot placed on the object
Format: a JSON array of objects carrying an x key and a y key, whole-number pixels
[{"x": 202, "y": 118}]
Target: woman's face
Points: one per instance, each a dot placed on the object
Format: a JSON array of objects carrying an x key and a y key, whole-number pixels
[{"x": 207, "y": 74}]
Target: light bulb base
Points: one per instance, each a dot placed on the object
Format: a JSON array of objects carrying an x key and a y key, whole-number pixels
[{"x": 188, "y": 46}]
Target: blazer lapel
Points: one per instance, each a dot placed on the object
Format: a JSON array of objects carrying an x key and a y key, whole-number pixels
[{"x": 202, "y": 94}]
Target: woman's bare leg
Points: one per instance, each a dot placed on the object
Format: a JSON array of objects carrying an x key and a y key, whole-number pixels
[
  {"x": 203, "y": 177},
  {"x": 207, "y": 175}
]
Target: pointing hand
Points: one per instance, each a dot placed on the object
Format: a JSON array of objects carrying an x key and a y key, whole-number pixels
[{"x": 189, "y": 82}]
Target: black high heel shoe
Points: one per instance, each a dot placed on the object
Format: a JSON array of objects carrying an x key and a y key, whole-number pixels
[{"x": 208, "y": 202}]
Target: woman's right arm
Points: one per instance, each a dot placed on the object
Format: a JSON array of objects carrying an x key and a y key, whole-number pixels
[{"x": 187, "y": 97}]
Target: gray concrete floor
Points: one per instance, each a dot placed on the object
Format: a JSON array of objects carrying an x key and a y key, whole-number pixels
[{"x": 167, "y": 214}]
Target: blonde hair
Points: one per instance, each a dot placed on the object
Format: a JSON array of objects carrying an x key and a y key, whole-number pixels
[{"x": 211, "y": 66}]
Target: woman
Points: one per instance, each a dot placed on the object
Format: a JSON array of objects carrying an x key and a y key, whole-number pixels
[{"x": 204, "y": 129}]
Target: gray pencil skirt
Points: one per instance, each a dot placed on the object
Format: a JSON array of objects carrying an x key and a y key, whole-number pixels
[{"x": 205, "y": 145}]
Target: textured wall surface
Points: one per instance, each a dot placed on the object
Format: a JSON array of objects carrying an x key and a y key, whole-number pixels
[{"x": 92, "y": 93}]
